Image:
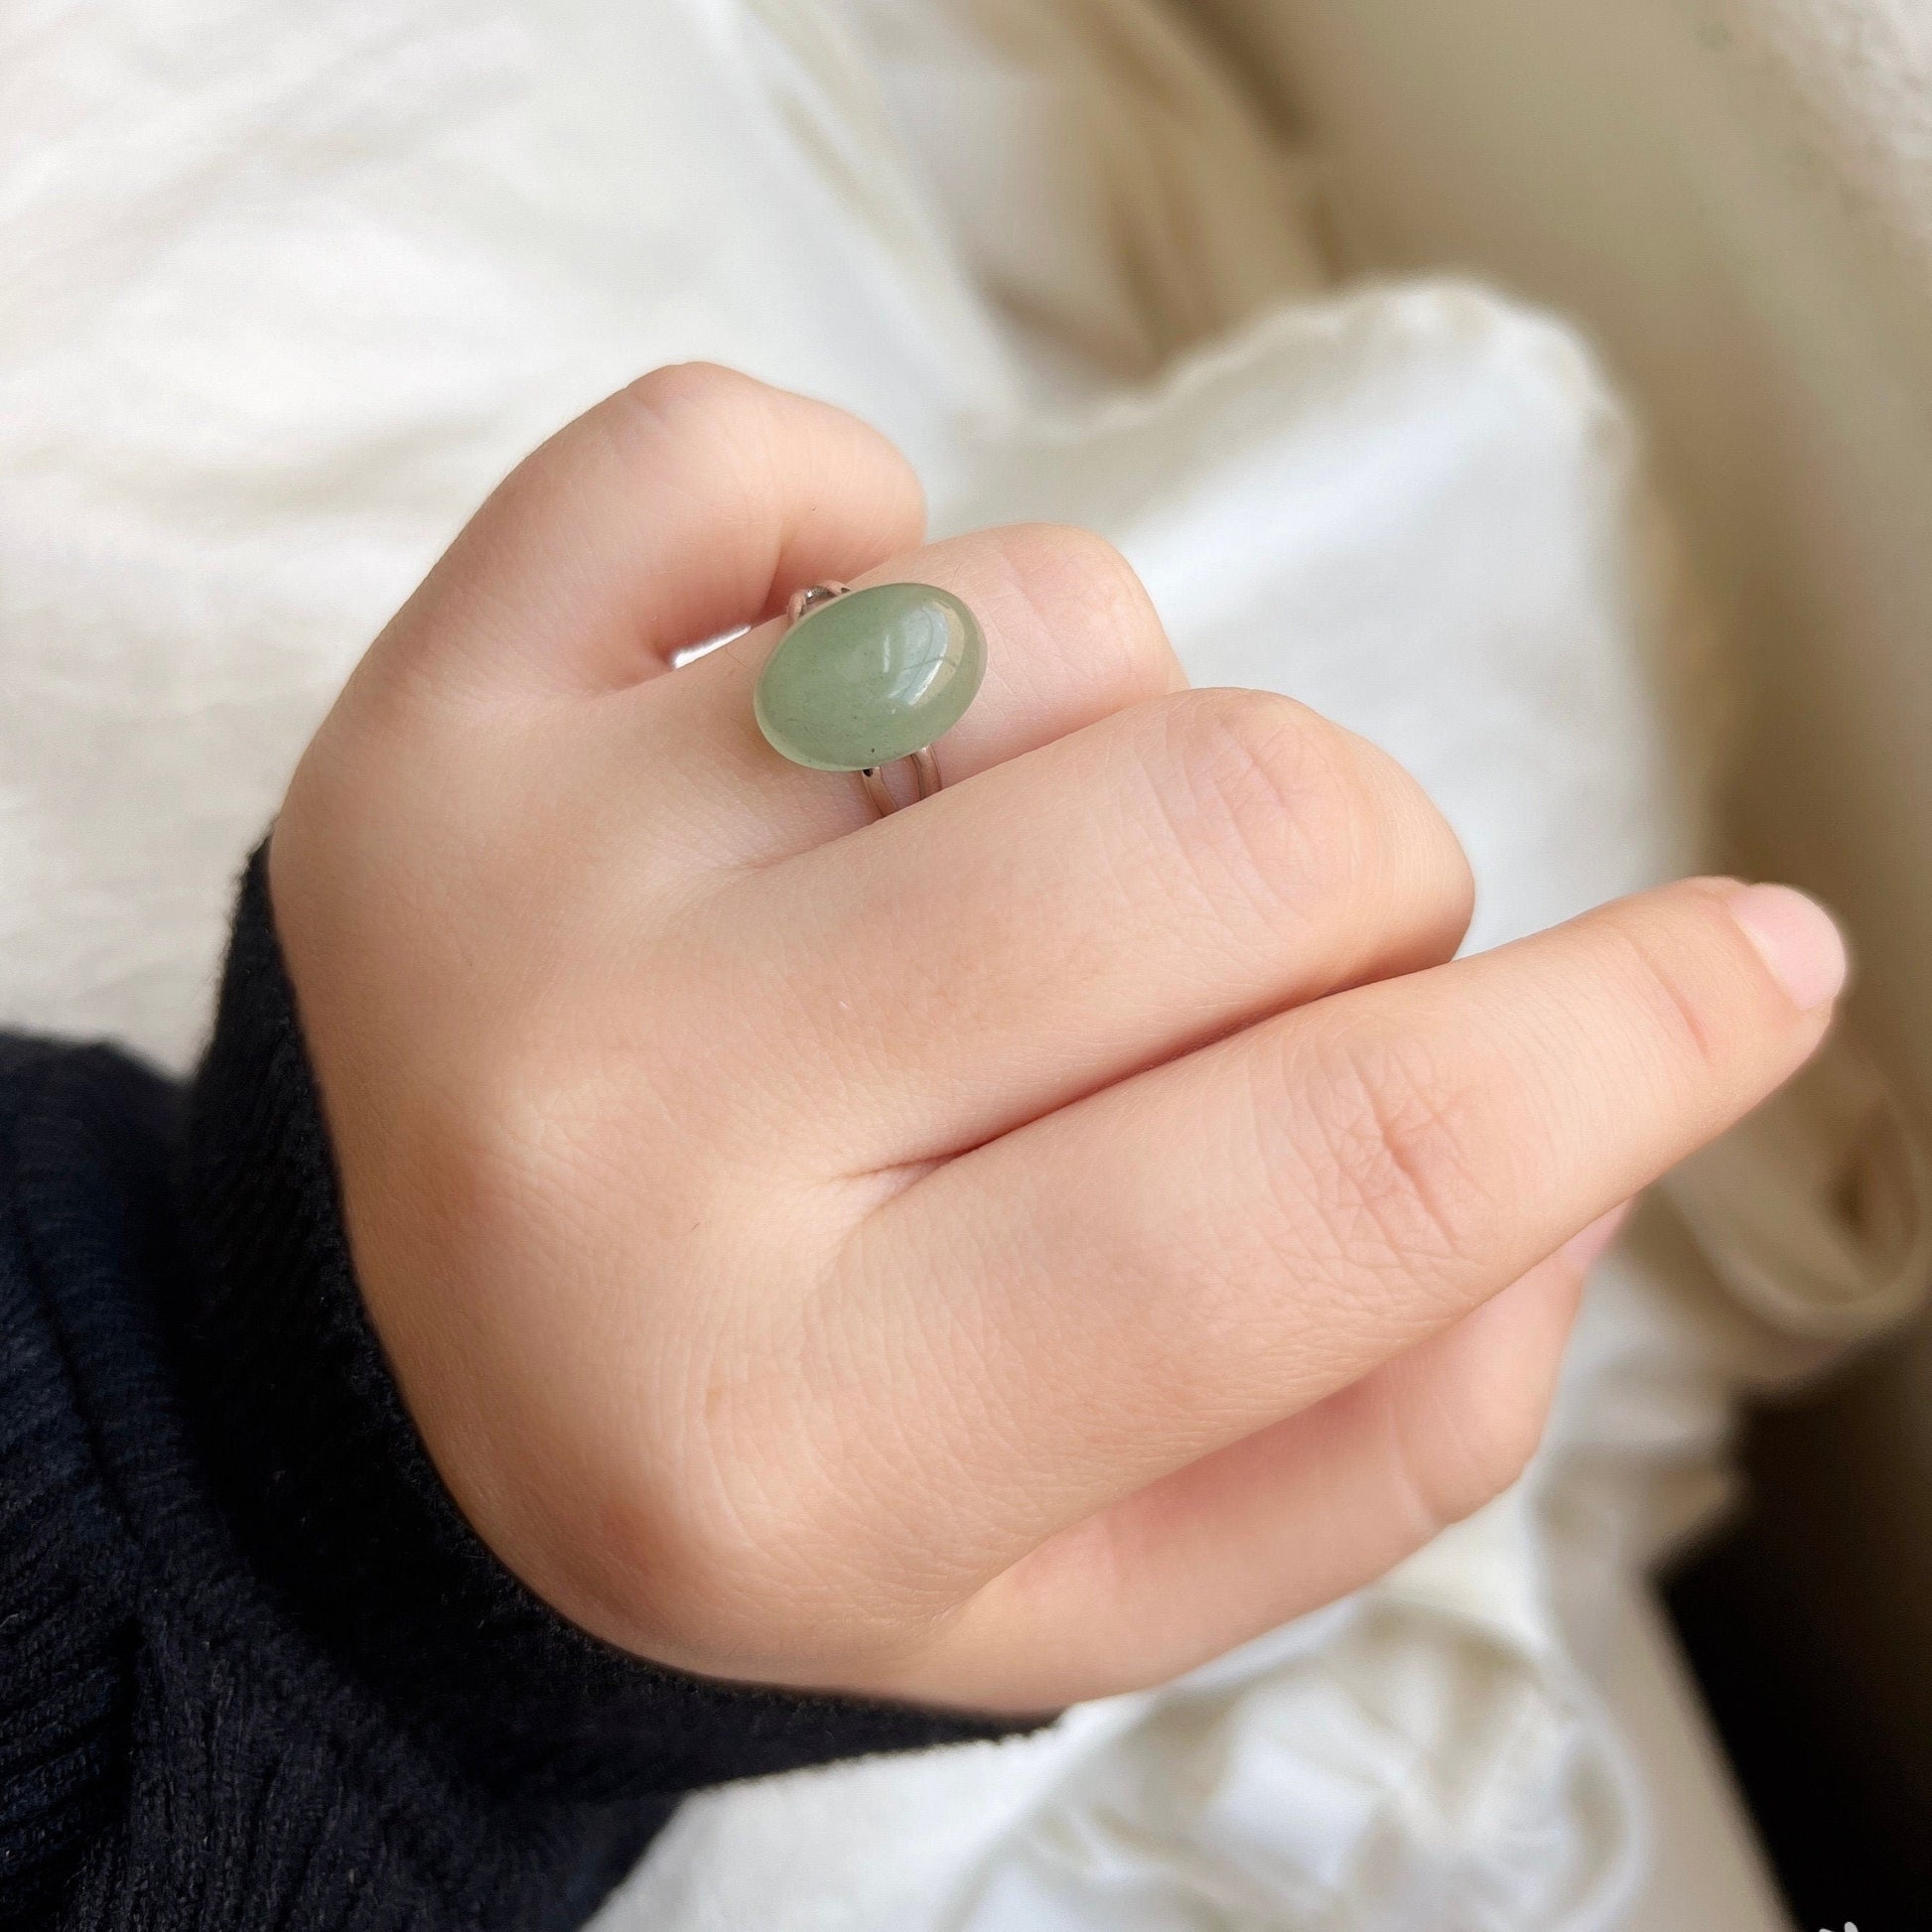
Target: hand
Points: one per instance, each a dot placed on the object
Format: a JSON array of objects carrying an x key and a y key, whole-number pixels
[{"x": 995, "y": 1255}]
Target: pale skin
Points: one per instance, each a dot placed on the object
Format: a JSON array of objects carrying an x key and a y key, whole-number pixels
[{"x": 995, "y": 1255}]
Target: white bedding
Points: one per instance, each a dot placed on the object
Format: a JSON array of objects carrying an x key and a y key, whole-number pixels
[{"x": 297, "y": 285}]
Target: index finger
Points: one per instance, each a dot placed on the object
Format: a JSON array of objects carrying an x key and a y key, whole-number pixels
[
  {"x": 1166, "y": 1266},
  {"x": 690, "y": 501}
]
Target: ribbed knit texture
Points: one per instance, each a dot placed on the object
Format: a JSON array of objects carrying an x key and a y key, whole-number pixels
[{"x": 255, "y": 1670}]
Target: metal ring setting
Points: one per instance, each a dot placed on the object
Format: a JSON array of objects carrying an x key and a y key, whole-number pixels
[{"x": 872, "y": 685}]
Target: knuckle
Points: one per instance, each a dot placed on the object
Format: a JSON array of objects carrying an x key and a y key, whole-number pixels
[
  {"x": 720, "y": 1558},
  {"x": 1469, "y": 1458},
  {"x": 687, "y": 410},
  {"x": 1490, "y": 1452},
  {"x": 672, "y": 394},
  {"x": 1456, "y": 882},
  {"x": 1263, "y": 799},
  {"x": 745, "y": 449},
  {"x": 709, "y": 414},
  {"x": 661, "y": 1582},
  {"x": 1666, "y": 973},
  {"x": 715, "y": 1544},
  {"x": 1075, "y": 584},
  {"x": 1396, "y": 1184},
  {"x": 1417, "y": 847},
  {"x": 519, "y": 1129},
  {"x": 769, "y": 1523}
]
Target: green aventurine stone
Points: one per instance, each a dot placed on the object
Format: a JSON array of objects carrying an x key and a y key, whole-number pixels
[{"x": 870, "y": 676}]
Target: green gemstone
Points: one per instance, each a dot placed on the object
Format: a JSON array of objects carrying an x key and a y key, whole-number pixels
[{"x": 870, "y": 676}]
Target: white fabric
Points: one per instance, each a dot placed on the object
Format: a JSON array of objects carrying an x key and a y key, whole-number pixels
[
  {"x": 296, "y": 283},
  {"x": 1853, "y": 79}
]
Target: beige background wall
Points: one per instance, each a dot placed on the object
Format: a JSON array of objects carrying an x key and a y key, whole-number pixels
[{"x": 1735, "y": 196}]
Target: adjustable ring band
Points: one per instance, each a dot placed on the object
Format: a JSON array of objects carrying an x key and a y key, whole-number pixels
[
  {"x": 925, "y": 775},
  {"x": 862, "y": 679},
  {"x": 800, "y": 601}
]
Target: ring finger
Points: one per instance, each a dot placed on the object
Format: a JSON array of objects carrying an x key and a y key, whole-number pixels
[{"x": 1071, "y": 638}]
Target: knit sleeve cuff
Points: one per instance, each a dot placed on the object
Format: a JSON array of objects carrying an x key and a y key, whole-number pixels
[{"x": 334, "y": 1497}]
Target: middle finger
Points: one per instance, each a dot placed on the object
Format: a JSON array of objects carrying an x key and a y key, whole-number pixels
[{"x": 1070, "y": 916}]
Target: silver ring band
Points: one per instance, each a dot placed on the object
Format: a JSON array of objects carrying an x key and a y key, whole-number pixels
[{"x": 925, "y": 772}]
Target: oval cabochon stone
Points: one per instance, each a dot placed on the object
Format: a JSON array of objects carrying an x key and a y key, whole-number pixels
[{"x": 870, "y": 676}]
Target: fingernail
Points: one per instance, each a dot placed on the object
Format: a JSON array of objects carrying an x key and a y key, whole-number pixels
[
  {"x": 1586, "y": 1244},
  {"x": 1797, "y": 938}
]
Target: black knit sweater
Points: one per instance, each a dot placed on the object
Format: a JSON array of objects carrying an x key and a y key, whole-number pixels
[{"x": 255, "y": 1670}]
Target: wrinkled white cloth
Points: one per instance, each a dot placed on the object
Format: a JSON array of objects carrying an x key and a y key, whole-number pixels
[{"x": 295, "y": 286}]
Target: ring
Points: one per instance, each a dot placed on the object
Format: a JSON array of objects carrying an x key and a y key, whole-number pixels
[{"x": 862, "y": 679}]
